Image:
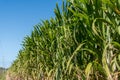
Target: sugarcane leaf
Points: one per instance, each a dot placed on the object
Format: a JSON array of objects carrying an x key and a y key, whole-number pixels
[{"x": 88, "y": 69}]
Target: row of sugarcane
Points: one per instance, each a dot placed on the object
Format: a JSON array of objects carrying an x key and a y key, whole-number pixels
[{"x": 82, "y": 42}]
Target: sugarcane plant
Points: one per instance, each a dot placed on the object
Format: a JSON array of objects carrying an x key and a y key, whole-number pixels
[{"x": 82, "y": 42}]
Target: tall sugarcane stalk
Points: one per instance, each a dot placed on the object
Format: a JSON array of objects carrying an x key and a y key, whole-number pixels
[{"x": 80, "y": 43}]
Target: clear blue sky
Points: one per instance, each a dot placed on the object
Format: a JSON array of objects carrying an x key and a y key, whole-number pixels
[{"x": 17, "y": 18}]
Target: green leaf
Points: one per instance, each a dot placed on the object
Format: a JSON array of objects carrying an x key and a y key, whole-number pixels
[
  {"x": 73, "y": 54},
  {"x": 118, "y": 30},
  {"x": 88, "y": 69}
]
